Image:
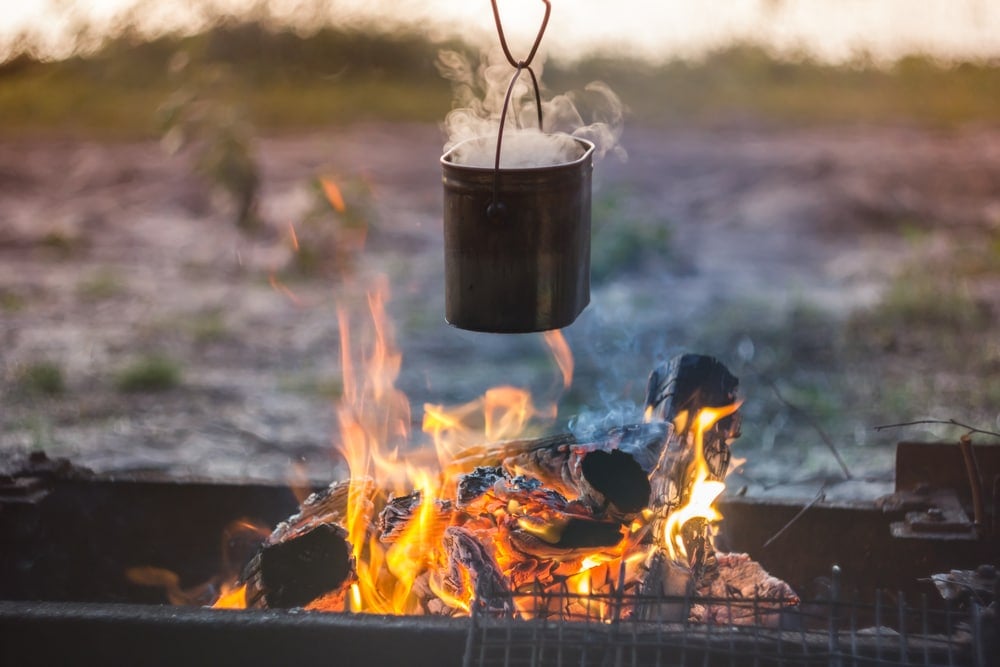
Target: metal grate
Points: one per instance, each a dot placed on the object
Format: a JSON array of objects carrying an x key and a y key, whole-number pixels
[{"x": 582, "y": 631}]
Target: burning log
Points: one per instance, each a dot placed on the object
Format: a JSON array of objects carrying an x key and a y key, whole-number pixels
[
  {"x": 299, "y": 569},
  {"x": 544, "y": 513},
  {"x": 540, "y": 521},
  {"x": 399, "y": 511},
  {"x": 697, "y": 395},
  {"x": 665, "y": 587},
  {"x": 466, "y": 554},
  {"x": 563, "y": 536},
  {"x": 609, "y": 475},
  {"x": 677, "y": 390},
  {"x": 308, "y": 556}
]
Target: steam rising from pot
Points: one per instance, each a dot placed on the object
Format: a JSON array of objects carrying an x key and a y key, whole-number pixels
[{"x": 478, "y": 102}]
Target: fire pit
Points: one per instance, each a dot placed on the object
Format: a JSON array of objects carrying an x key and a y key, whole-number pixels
[{"x": 71, "y": 537}]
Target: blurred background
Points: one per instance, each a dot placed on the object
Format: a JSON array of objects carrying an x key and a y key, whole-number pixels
[{"x": 192, "y": 193}]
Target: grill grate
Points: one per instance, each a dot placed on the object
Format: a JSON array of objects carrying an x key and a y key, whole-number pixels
[{"x": 580, "y": 630}]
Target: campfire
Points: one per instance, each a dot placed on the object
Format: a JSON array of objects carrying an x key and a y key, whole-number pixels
[{"x": 518, "y": 527}]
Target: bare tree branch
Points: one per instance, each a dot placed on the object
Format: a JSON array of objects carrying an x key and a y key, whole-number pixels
[
  {"x": 950, "y": 422},
  {"x": 827, "y": 440}
]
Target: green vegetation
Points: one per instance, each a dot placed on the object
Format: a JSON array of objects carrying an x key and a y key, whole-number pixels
[
  {"x": 745, "y": 81},
  {"x": 43, "y": 377},
  {"x": 286, "y": 80},
  {"x": 200, "y": 115},
  {"x": 62, "y": 244},
  {"x": 626, "y": 241},
  {"x": 927, "y": 348},
  {"x": 11, "y": 302},
  {"x": 103, "y": 284},
  {"x": 309, "y": 384},
  {"x": 331, "y": 235},
  {"x": 149, "y": 374},
  {"x": 207, "y": 326},
  {"x": 282, "y": 79}
]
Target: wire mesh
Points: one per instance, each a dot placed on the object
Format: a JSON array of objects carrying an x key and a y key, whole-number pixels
[{"x": 566, "y": 629}]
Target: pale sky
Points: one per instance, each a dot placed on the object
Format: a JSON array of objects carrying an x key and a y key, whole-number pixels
[{"x": 830, "y": 29}]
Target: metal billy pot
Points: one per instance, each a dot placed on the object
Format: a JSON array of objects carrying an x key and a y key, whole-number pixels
[
  {"x": 517, "y": 234},
  {"x": 517, "y": 243}
]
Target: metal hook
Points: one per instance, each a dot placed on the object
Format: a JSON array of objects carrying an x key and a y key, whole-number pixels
[
  {"x": 503, "y": 39},
  {"x": 496, "y": 209}
]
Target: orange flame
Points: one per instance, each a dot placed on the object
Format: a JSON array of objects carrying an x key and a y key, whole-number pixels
[
  {"x": 235, "y": 598},
  {"x": 333, "y": 194},
  {"x": 283, "y": 289},
  {"x": 562, "y": 355}
]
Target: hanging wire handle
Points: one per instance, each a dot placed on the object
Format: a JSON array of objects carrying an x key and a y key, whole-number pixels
[{"x": 495, "y": 208}]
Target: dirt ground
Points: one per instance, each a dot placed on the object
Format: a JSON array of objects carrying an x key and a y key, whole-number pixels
[{"x": 113, "y": 253}]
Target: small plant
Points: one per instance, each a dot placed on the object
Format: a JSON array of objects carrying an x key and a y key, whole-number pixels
[
  {"x": 625, "y": 242},
  {"x": 11, "y": 302},
  {"x": 925, "y": 301},
  {"x": 207, "y": 326},
  {"x": 149, "y": 374},
  {"x": 61, "y": 243},
  {"x": 43, "y": 377},
  {"x": 102, "y": 285},
  {"x": 198, "y": 117},
  {"x": 334, "y": 231}
]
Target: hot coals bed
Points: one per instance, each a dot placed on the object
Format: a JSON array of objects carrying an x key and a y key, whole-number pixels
[{"x": 70, "y": 540}]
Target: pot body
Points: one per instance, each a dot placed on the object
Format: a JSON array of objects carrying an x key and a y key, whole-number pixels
[{"x": 523, "y": 265}]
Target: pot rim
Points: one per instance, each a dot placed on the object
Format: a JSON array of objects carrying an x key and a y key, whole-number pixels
[{"x": 588, "y": 152}]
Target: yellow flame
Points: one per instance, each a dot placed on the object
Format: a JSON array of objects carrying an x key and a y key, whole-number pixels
[
  {"x": 704, "y": 491},
  {"x": 355, "y": 597}
]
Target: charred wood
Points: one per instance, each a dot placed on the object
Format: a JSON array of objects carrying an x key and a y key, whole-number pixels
[
  {"x": 665, "y": 588},
  {"x": 609, "y": 475},
  {"x": 490, "y": 587},
  {"x": 564, "y": 537},
  {"x": 742, "y": 593},
  {"x": 297, "y": 570},
  {"x": 308, "y": 555},
  {"x": 678, "y": 389},
  {"x": 400, "y": 511}
]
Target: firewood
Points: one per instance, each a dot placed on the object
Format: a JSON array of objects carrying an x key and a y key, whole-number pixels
[
  {"x": 664, "y": 588},
  {"x": 564, "y": 537},
  {"x": 686, "y": 384},
  {"x": 676, "y": 392},
  {"x": 295, "y": 571},
  {"x": 742, "y": 593},
  {"x": 535, "y": 520},
  {"x": 610, "y": 474},
  {"x": 308, "y": 555},
  {"x": 490, "y": 588},
  {"x": 328, "y": 506},
  {"x": 399, "y": 511}
]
